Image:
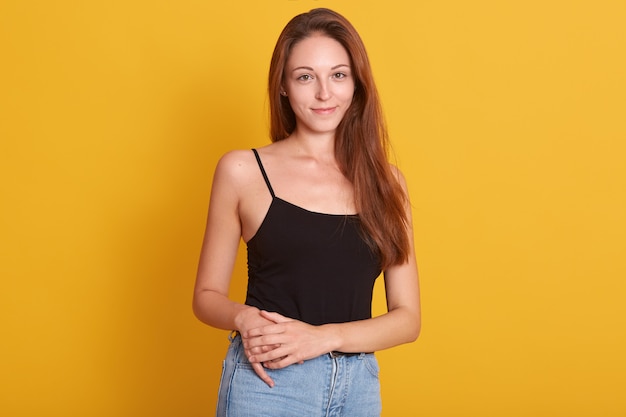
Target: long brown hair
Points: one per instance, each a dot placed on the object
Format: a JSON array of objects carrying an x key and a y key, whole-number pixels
[{"x": 361, "y": 140}]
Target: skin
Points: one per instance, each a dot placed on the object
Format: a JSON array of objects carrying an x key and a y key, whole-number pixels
[{"x": 303, "y": 170}]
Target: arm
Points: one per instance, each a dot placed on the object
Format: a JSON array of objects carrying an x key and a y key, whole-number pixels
[
  {"x": 299, "y": 341},
  {"x": 219, "y": 250}
]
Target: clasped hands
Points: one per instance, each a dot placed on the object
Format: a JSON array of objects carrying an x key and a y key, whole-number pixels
[{"x": 280, "y": 342}]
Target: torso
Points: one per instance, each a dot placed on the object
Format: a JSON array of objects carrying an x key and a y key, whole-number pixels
[{"x": 306, "y": 262}]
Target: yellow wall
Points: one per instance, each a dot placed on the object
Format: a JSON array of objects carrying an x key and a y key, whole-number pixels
[{"x": 508, "y": 118}]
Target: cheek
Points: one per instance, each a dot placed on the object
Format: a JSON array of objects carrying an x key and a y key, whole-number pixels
[
  {"x": 348, "y": 96},
  {"x": 347, "y": 91},
  {"x": 297, "y": 97},
  {"x": 295, "y": 103}
]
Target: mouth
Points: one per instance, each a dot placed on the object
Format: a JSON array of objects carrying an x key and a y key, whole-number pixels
[{"x": 325, "y": 110}]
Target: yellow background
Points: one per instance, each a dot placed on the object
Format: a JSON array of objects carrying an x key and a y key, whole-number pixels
[{"x": 507, "y": 117}]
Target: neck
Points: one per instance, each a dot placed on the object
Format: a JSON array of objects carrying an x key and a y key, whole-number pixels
[{"x": 320, "y": 147}]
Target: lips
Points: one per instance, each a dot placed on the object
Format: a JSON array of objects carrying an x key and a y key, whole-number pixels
[{"x": 323, "y": 111}]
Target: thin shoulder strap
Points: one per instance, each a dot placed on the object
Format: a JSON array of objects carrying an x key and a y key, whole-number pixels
[{"x": 267, "y": 181}]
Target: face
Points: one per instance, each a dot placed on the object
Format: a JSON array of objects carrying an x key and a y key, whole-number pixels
[{"x": 319, "y": 84}]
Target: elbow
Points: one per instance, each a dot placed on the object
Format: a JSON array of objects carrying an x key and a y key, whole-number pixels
[
  {"x": 414, "y": 329},
  {"x": 415, "y": 333},
  {"x": 409, "y": 325},
  {"x": 197, "y": 307}
]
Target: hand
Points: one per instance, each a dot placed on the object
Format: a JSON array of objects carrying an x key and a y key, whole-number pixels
[
  {"x": 284, "y": 342},
  {"x": 251, "y": 318}
]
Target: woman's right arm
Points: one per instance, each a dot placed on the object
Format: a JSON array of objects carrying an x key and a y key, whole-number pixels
[{"x": 219, "y": 250}]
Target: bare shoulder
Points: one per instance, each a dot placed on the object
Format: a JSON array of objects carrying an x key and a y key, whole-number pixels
[
  {"x": 235, "y": 167},
  {"x": 236, "y": 158}
]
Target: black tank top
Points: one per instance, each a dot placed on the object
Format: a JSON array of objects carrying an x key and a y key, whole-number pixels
[{"x": 310, "y": 266}]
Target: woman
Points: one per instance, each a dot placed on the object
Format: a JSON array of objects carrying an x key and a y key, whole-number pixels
[{"x": 322, "y": 213}]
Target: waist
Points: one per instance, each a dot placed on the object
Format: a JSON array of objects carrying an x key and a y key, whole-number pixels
[{"x": 234, "y": 334}]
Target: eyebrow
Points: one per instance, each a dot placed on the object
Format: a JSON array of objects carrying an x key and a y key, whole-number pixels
[{"x": 311, "y": 69}]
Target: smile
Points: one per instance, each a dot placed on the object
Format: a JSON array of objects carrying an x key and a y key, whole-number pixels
[{"x": 322, "y": 111}]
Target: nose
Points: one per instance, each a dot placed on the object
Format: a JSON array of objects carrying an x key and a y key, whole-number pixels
[{"x": 323, "y": 91}]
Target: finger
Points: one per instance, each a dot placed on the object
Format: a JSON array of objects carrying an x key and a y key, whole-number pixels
[
  {"x": 280, "y": 363},
  {"x": 265, "y": 330},
  {"x": 271, "y": 340},
  {"x": 280, "y": 359},
  {"x": 275, "y": 317},
  {"x": 260, "y": 371},
  {"x": 259, "y": 349},
  {"x": 267, "y": 348},
  {"x": 264, "y": 343},
  {"x": 276, "y": 354}
]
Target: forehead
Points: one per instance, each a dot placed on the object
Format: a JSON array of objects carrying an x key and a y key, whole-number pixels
[{"x": 317, "y": 51}]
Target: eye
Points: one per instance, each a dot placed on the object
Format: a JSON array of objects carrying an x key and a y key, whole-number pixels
[
  {"x": 305, "y": 77},
  {"x": 340, "y": 75}
]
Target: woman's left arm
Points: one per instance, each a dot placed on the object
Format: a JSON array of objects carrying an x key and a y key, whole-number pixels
[{"x": 300, "y": 341}]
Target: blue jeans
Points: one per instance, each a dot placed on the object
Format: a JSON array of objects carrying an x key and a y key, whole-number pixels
[{"x": 327, "y": 386}]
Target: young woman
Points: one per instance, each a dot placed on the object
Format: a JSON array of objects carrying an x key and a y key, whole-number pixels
[{"x": 323, "y": 214}]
